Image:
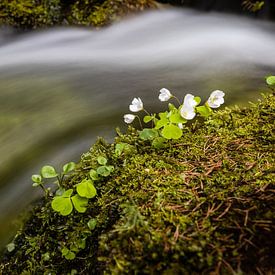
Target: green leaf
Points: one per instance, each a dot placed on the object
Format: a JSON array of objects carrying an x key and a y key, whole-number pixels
[
  {"x": 81, "y": 243},
  {"x": 48, "y": 172},
  {"x": 80, "y": 203},
  {"x": 171, "y": 107},
  {"x": 68, "y": 167},
  {"x": 197, "y": 99},
  {"x": 147, "y": 134},
  {"x": 105, "y": 171},
  {"x": 92, "y": 224},
  {"x": 177, "y": 118},
  {"x": 159, "y": 142},
  {"x": 94, "y": 175},
  {"x": 270, "y": 80},
  {"x": 204, "y": 111},
  {"x": 46, "y": 256},
  {"x": 86, "y": 189},
  {"x": 119, "y": 148},
  {"x": 171, "y": 132},
  {"x": 10, "y": 247},
  {"x": 101, "y": 160},
  {"x": 69, "y": 255},
  {"x": 36, "y": 178},
  {"x": 60, "y": 191},
  {"x": 147, "y": 119},
  {"x": 67, "y": 193},
  {"x": 62, "y": 205},
  {"x": 163, "y": 120}
]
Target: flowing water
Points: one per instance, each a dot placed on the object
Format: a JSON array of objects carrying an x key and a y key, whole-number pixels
[{"x": 63, "y": 87}]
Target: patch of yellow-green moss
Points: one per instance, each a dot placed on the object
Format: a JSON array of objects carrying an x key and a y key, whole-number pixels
[
  {"x": 31, "y": 14},
  {"x": 204, "y": 203}
]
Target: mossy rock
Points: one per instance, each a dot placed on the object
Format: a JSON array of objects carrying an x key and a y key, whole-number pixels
[
  {"x": 204, "y": 204},
  {"x": 32, "y": 14}
]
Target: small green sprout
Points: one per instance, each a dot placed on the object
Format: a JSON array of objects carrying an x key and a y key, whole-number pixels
[
  {"x": 92, "y": 224},
  {"x": 49, "y": 172}
]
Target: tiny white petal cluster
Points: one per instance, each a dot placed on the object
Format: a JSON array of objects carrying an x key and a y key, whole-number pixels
[
  {"x": 187, "y": 111},
  {"x": 129, "y": 118},
  {"x": 136, "y": 105},
  {"x": 216, "y": 99},
  {"x": 164, "y": 95}
]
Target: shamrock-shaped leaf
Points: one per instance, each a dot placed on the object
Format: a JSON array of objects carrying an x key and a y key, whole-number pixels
[
  {"x": 48, "y": 172},
  {"x": 93, "y": 175},
  {"x": 147, "y": 119},
  {"x": 68, "y": 167},
  {"x": 62, "y": 204},
  {"x": 162, "y": 121},
  {"x": 36, "y": 179},
  {"x": 171, "y": 107},
  {"x": 147, "y": 134},
  {"x": 86, "y": 189},
  {"x": 105, "y": 171},
  {"x": 175, "y": 117},
  {"x": 270, "y": 80},
  {"x": 69, "y": 255},
  {"x": 80, "y": 203},
  {"x": 171, "y": 132},
  {"x": 204, "y": 111},
  {"x": 101, "y": 160}
]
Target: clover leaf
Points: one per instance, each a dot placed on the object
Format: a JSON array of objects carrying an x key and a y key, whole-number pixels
[
  {"x": 68, "y": 167},
  {"x": 93, "y": 175},
  {"x": 105, "y": 171},
  {"x": 63, "y": 203},
  {"x": 101, "y": 160},
  {"x": 80, "y": 203},
  {"x": 270, "y": 80},
  {"x": 204, "y": 111},
  {"x": 171, "y": 132},
  {"x": 86, "y": 189},
  {"x": 48, "y": 172},
  {"x": 147, "y": 134}
]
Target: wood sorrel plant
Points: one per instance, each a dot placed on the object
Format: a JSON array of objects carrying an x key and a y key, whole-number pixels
[
  {"x": 76, "y": 198},
  {"x": 170, "y": 124}
]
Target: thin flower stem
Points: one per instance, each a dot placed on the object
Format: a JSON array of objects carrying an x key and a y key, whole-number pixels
[
  {"x": 139, "y": 122},
  {"x": 44, "y": 189},
  {"x": 176, "y": 99},
  {"x": 147, "y": 112}
]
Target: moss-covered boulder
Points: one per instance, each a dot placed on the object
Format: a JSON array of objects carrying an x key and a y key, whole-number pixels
[
  {"x": 32, "y": 14},
  {"x": 204, "y": 203}
]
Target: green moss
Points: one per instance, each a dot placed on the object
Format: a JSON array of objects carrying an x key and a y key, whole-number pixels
[
  {"x": 31, "y": 14},
  {"x": 203, "y": 204}
]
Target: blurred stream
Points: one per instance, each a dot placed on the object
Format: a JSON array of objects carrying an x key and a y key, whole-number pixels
[{"x": 63, "y": 87}]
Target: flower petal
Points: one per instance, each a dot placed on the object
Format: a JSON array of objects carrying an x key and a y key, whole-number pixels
[
  {"x": 164, "y": 95},
  {"x": 129, "y": 118}
]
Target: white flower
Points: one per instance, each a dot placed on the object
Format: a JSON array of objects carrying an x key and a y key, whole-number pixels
[
  {"x": 136, "y": 105},
  {"x": 187, "y": 112},
  {"x": 216, "y": 99},
  {"x": 164, "y": 95},
  {"x": 180, "y": 125},
  {"x": 189, "y": 101},
  {"x": 129, "y": 118}
]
